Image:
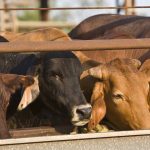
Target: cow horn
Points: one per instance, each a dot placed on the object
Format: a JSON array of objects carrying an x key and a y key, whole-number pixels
[
  {"x": 136, "y": 63},
  {"x": 96, "y": 72}
]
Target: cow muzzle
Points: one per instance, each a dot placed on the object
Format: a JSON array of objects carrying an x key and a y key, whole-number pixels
[{"x": 81, "y": 114}]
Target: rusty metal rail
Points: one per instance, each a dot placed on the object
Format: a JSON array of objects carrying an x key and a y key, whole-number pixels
[
  {"x": 38, "y": 131},
  {"x": 75, "y": 8},
  {"x": 75, "y": 45}
]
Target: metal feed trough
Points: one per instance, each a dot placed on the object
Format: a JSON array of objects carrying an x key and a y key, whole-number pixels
[
  {"x": 131, "y": 140},
  {"x": 46, "y": 137}
]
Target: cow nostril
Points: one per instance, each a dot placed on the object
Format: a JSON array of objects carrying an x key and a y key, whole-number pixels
[
  {"x": 84, "y": 113},
  {"x": 81, "y": 112}
]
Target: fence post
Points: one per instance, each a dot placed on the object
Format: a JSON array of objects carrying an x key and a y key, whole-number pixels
[
  {"x": 130, "y": 3},
  {"x": 2, "y": 17},
  {"x": 44, "y": 13}
]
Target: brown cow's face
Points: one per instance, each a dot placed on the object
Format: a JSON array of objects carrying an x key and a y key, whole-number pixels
[
  {"x": 125, "y": 91},
  {"x": 126, "y": 100}
]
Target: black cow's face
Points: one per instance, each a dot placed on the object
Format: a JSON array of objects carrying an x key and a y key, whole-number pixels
[{"x": 60, "y": 86}]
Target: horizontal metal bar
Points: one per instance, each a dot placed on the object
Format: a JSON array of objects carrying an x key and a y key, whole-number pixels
[
  {"x": 75, "y": 137},
  {"x": 36, "y": 131},
  {"x": 74, "y": 8},
  {"x": 117, "y": 143},
  {"x": 115, "y": 44}
]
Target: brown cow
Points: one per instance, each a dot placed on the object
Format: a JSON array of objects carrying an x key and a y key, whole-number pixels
[
  {"x": 112, "y": 27},
  {"x": 95, "y": 97},
  {"x": 9, "y": 83},
  {"x": 122, "y": 90}
]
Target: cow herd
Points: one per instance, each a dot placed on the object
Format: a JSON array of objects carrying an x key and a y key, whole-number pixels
[{"x": 82, "y": 88}]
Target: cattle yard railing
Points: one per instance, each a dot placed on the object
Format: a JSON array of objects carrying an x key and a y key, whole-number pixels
[
  {"x": 128, "y": 7},
  {"x": 77, "y": 8},
  {"x": 122, "y": 140},
  {"x": 82, "y": 45},
  {"x": 111, "y": 140},
  {"x": 114, "y": 140}
]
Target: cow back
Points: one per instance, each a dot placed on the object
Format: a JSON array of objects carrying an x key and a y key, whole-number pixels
[{"x": 113, "y": 27}]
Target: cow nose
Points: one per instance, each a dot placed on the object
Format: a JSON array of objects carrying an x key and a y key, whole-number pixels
[{"x": 84, "y": 113}]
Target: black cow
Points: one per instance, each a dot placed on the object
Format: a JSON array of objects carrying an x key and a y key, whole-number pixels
[{"x": 57, "y": 75}]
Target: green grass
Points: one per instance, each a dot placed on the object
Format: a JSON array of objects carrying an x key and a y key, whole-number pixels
[{"x": 29, "y": 15}]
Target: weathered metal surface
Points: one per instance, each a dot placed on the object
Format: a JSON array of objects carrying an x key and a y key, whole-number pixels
[
  {"x": 33, "y": 132},
  {"x": 131, "y": 140},
  {"x": 75, "y": 137},
  {"x": 40, "y": 131},
  {"x": 114, "y": 44},
  {"x": 125, "y": 143}
]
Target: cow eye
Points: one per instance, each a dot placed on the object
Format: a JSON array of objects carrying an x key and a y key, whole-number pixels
[
  {"x": 55, "y": 76},
  {"x": 118, "y": 97}
]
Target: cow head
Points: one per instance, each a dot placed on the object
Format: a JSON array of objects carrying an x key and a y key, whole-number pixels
[
  {"x": 60, "y": 85},
  {"x": 9, "y": 83},
  {"x": 58, "y": 78},
  {"x": 123, "y": 95}
]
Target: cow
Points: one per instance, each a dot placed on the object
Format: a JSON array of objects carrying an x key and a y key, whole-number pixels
[
  {"x": 9, "y": 83},
  {"x": 123, "y": 89},
  {"x": 107, "y": 26},
  {"x": 95, "y": 27},
  {"x": 116, "y": 74},
  {"x": 57, "y": 75}
]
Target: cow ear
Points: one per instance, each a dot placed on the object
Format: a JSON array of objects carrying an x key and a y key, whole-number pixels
[
  {"x": 146, "y": 68},
  {"x": 98, "y": 106},
  {"x": 30, "y": 93},
  {"x": 99, "y": 72},
  {"x": 14, "y": 82}
]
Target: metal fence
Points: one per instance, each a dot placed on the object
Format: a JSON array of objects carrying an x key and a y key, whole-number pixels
[
  {"x": 76, "y": 45},
  {"x": 15, "y": 24},
  {"x": 110, "y": 140}
]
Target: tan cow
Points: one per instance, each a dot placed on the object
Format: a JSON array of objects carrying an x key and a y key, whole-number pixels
[
  {"x": 111, "y": 27},
  {"x": 121, "y": 94},
  {"x": 113, "y": 80}
]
